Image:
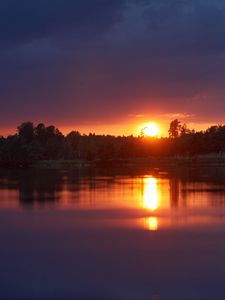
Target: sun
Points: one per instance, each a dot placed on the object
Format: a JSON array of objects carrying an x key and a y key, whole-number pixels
[{"x": 150, "y": 130}]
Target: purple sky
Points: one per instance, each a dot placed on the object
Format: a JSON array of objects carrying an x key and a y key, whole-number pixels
[{"x": 109, "y": 65}]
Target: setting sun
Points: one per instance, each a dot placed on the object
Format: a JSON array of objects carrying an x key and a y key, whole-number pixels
[{"x": 150, "y": 130}]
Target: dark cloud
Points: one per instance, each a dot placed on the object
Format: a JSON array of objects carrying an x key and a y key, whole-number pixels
[
  {"x": 26, "y": 20},
  {"x": 91, "y": 60}
]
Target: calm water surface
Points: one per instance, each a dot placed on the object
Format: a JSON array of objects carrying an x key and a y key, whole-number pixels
[{"x": 115, "y": 234}]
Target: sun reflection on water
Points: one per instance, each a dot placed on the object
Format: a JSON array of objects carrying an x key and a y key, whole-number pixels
[
  {"x": 151, "y": 223},
  {"x": 151, "y": 201},
  {"x": 150, "y": 194}
]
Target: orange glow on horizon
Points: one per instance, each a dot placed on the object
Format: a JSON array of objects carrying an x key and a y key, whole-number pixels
[
  {"x": 119, "y": 128},
  {"x": 127, "y": 129}
]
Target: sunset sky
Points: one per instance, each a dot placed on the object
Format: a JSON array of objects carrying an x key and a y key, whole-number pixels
[{"x": 111, "y": 66}]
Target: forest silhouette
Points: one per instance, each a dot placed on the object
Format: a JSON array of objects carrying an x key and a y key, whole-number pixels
[{"x": 35, "y": 143}]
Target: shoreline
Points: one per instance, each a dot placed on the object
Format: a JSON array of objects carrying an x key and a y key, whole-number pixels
[{"x": 201, "y": 160}]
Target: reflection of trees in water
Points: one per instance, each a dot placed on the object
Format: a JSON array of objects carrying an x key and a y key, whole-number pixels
[
  {"x": 33, "y": 186},
  {"x": 177, "y": 197},
  {"x": 174, "y": 192},
  {"x": 47, "y": 186},
  {"x": 197, "y": 185},
  {"x": 212, "y": 175},
  {"x": 39, "y": 188},
  {"x": 193, "y": 183}
]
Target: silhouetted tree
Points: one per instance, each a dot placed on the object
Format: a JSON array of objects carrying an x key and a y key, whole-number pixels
[
  {"x": 40, "y": 133},
  {"x": 184, "y": 129},
  {"x": 26, "y": 131},
  {"x": 73, "y": 139},
  {"x": 174, "y": 129},
  {"x": 48, "y": 143}
]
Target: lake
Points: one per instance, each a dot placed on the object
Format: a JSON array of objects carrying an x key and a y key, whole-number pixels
[{"x": 112, "y": 234}]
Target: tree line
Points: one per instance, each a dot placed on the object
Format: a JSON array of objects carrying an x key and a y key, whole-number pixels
[{"x": 34, "y": 143}]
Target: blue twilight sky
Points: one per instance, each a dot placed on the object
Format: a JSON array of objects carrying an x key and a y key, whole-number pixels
[{"x": 108, "y": 65}]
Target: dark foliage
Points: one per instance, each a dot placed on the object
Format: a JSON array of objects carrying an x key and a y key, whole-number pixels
[{"x": 32, "y": 144}]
